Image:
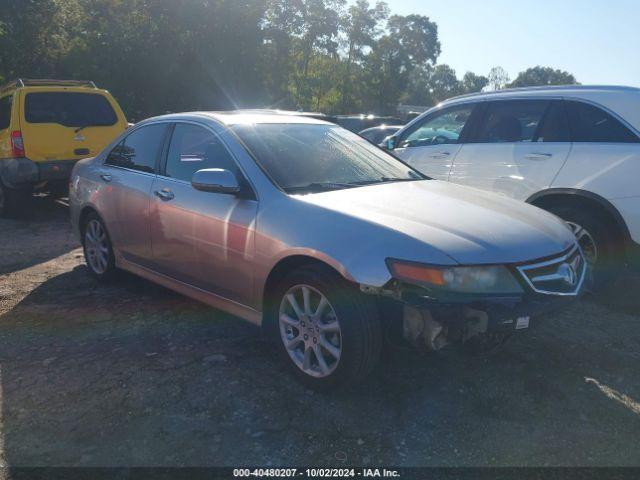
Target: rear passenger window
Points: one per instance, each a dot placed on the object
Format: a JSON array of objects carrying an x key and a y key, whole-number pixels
[
  {"x": 5, "y": 112},
  {"x": 554, "y": 127},
  {"x": 592, "y": 124},
  {"x": 512, "y": 121},
  {"x": 194, "y": 148},
  {"x": 139, "y": 150}
]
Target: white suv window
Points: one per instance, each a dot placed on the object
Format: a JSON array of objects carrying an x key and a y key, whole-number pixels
[
  {"x": 512, "y": 121},
  {"x": 438, "y": 129},
  {"x": 592, "y": 124}
]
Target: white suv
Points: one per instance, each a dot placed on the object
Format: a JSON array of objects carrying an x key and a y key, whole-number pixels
[{"x": 571, "y": 150}]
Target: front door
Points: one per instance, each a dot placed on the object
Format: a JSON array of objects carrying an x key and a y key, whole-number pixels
[
  {"x": 518, "y": 148},
  {"x": 201, "y": 238},
  {"x": 431, "y": 145}
]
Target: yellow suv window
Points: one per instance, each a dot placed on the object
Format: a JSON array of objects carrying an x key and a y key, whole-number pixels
[
  {"x": 5, "y": 112},
  {"x": 70, "y": 109}
]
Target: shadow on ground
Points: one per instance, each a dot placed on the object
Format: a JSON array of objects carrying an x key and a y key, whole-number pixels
[
  {"x": 39, "y": 234},
  {"x": 132, "y": 374}
]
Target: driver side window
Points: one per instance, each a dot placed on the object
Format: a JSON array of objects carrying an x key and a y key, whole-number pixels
[
  {"x": 193, "y": 148},
  {"x": 441, "y": 128}
]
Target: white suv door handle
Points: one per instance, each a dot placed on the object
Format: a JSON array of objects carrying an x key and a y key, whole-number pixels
[
  {"x": 538, "y": 156},
  {"x": 440, "y": 155}
]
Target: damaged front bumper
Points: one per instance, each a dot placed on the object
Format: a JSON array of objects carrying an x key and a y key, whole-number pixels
[{"x": 431, "y": 324}]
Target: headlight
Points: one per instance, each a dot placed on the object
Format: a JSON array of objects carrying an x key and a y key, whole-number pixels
[{"x": 490, "y": 279}]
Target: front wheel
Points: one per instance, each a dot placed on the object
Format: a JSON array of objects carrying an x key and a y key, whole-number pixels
[{"x": 327, "y": 331}]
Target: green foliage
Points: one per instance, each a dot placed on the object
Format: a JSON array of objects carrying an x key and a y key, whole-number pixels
[
  {"x": 540, "y": 76},
  {"x": 176, "y": 55}
]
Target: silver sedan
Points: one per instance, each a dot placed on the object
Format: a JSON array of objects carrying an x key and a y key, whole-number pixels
[{"x": 326, "y": 241}]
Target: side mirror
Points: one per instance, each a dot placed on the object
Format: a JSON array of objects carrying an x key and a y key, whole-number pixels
[
  {"x": 390, "y": 143},
  {"x": 215, "y": 180}
]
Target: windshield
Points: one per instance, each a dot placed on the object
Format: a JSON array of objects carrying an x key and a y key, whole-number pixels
[
  {"x": 303, "y": 158},
  {"x": 70, "y": 109}
]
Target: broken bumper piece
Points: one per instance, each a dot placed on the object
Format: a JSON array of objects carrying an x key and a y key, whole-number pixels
[{"x": 430, "y": 325}]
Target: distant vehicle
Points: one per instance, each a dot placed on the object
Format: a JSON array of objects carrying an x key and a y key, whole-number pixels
[
  {"x": 376, "y": 135},
  {"x": 572, "y": 150},
  {"x": 357, "y": 123},
  {"x": 309, "y": 230},
  {"x": 45, "y": 127}
]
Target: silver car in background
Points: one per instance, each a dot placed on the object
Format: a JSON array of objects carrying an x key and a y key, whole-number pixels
[{"x": 327, "y": 241}]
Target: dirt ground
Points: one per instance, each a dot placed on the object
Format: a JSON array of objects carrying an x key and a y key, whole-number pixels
[{"x": 134, "y": 375}]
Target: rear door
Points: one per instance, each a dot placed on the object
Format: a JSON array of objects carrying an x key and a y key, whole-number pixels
[
  {"x": 68, "y": 124},
  {"x": 127, "y": 176},
  {"x": 605, "y": 160},
  {"x": 431, "y": 144},
  {"x": 517, "y": 149}
]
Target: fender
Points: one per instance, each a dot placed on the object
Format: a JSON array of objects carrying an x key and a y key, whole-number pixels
[{"x": 601, "y": 201}]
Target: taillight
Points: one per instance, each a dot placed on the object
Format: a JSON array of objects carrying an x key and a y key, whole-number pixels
[{"x": 17, "y": 145}]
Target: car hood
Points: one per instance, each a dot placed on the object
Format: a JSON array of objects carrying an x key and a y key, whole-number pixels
[{"x": 468, "y": 225}]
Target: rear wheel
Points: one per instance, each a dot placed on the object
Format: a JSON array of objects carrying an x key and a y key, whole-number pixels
[
  {"x": 326, "y": 330},
  {"x": 598, "y": 241},
  {"x": 98, "y": 251}
]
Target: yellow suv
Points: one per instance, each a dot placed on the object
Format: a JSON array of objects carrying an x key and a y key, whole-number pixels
[{"x": 45, "y": 127}]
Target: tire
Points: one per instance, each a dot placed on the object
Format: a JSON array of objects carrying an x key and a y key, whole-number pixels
[
  {"x": 98, "y": 251},
  {"x": 357, "y": 340},
  {"x": 14, "y": 201},
  {"x": 591, "y": 227}
]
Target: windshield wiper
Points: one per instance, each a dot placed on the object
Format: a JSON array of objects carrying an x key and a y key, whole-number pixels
[
  {"x": 79, "y": 129},
  {"x": 386, "y": 180},
  {"x": 320, "y": 187}
]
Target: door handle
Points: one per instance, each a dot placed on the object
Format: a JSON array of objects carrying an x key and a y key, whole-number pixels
[
  {"x": 440, "y": 155},
  {"x": 538, "y": 156},
  {"x": 165, "y": 194},
  {"x": 106, "y": 177}
]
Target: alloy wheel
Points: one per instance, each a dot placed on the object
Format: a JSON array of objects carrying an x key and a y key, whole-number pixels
[
  {"x": 96, "y": 244},
  {"x": 310, "y": 331}
]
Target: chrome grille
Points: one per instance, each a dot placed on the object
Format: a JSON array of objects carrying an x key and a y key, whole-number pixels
[{"x": 563, "y": 275}]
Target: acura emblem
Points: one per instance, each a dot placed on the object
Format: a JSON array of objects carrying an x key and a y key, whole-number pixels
[
  {"x": 568, "y": 274},
  {"x": 79, "y": 138}
]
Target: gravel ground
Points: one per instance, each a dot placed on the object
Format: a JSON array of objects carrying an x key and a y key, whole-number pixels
[{"x": 135, "y": 375}]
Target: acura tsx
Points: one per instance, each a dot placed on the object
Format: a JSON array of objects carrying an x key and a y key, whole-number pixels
[{"x": 325, "y": 240}]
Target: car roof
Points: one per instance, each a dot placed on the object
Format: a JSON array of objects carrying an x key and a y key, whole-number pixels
[
  {"x": 243, "y": 117},
  {"x": 577, "y": 90},
  {"x": 623, "y": 102}
]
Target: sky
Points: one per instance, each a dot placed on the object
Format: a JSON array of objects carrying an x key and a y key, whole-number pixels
[{"x": 596, "y": 40}]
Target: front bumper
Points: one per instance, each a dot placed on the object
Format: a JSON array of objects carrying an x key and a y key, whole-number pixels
[
  {"x": 501, "y": 312},
  {"x": 430, "y": 324},
  {"x": 16, "y": 172}
]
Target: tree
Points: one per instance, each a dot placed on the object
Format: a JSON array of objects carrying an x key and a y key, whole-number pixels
[
  {"x": 540, "y": 76},
  {"x": 474, "y": 83},
  {"x": 444, "y": 83},
  {"x": 37, "y": 35},
  {"x": 362, "y": 26},
  {"x": 411, "y": 42},
  {"x": 498, "y": 78}
]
